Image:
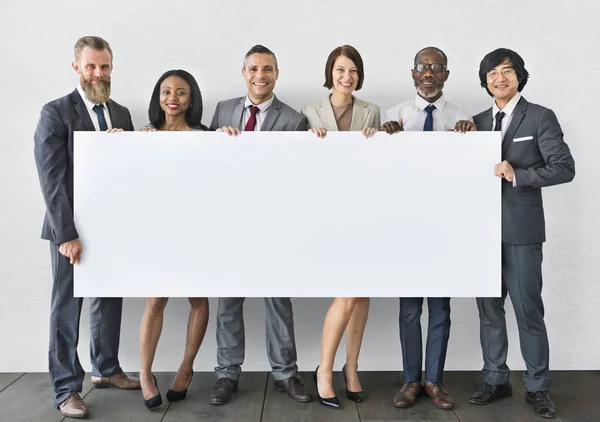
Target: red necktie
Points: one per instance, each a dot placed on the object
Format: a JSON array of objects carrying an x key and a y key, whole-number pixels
[{"x": 252, "y": 120}]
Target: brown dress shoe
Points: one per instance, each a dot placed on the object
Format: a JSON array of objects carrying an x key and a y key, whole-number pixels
[
  {"x": 73, "y": 407},
  {"x": 295, "y": 389},
  {"x": 223, "y": 390},
  {"x": 407, "y": 396},
  {"x": 439, "y": 395},
  {"x": 118, "y": 381}
]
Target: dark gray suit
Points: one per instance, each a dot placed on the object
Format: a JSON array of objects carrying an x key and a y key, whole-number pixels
[
  {"x": 54, "y": 159},
  {"x": 280, "y": 340},
  {"x": 540, "y": 157}
]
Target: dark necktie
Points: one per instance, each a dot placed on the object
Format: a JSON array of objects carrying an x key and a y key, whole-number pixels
[
  {"x": 428, "y": 126},
  {"x": 252, "y": 120},
  {"x": 499, "y": 116},
  {"x": 99, "y": 109}
]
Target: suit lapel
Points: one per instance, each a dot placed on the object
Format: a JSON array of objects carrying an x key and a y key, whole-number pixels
[
  {"x": 325, "y": 112},
  {"x": 517, "y": 117},
  {"x": 81, "y": 110},
  {"x": 272, "y": 115},
  {"x": 359, "y": 114},
  {"x": 238, "y": 111}
]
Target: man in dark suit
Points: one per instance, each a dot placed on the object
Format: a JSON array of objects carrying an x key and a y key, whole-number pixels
[
  {"x": 87, "y": 108},
  {"x": 534, "y": 155},
  {"x": 259, "y": 110}
]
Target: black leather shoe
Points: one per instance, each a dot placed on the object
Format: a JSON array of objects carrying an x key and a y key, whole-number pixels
[
  {"x": 542, "y": 404},
  {"x": 329, "y": 402},
  {"x": 223, "y": 390},
  {"x": 174, "y": 395},
  {"x": 356, "y": 396},
  {"x": 294, "y": 388},
  {"x": 489, "y": 393},
  {"x": 155, "y": 401}
]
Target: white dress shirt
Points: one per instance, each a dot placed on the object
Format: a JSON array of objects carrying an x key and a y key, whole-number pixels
[
  {"x": 413, "y": 114},
  {"x": 90, "y": 105},
  {"x": 508, "y": 113},
  {"x": 261, "y": 114}
]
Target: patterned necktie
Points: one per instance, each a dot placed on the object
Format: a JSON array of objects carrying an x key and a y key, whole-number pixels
[
  {"x": 252, "y": 120},
  {"x": 428, "y": 126},
  {"x": 499, "y": 116},
  {"x": 99, "y": 109}
]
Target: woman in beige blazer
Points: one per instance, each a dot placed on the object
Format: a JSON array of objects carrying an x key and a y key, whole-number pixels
[{"x": 344, "y": 74}]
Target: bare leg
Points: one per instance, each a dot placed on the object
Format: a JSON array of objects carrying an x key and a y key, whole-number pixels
[
  {"x": 150, "y": 329},
  {"x": 354, "y": 336},
  {"x": 197, "y": 322},
  {"x": 336, "y": 321}
]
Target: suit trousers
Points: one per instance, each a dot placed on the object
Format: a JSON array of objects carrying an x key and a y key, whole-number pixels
[
  {"x": 105, "y": 329},
  {"x": 522, "y": 280},
  {"x": 280, "y": 340},
  {"x": 438, "y": 332}
]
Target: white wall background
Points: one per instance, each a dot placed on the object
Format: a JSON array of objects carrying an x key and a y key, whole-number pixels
[{"x": 558, "y": 41}]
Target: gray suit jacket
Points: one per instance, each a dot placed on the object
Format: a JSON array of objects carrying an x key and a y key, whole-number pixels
[
  {"x": 320, "y": 114},
  {"x": 280, "y": 116},
  {"x": 53, "y": 150},
  {"x": 534, "y": 146}
]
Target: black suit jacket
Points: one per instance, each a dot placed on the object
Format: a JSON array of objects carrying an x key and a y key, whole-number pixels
[
  {"x": 53, "y": 150},
  {"x": 533, "y": 145}
]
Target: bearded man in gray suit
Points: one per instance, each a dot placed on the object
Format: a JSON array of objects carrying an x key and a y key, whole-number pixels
[
  {"x": 534, "y": 155},
  {"x": 87, "y": 108},
  {"x": 259, "y": 110}
]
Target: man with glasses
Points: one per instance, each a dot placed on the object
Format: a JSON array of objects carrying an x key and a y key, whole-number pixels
[
  {"x": 534, "y": 155},
  {"x": 427, "y": 111}
]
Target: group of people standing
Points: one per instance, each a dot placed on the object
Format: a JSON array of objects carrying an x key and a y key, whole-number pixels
[{"x": 534, "y": 155}]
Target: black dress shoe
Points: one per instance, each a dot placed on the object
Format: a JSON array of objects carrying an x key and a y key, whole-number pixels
[
  {"x": 489, "y": 393},
  {"x": 329, "y": 402},
  {"x": 223, "y": 390},
  {"x": 294, "y": 388},
  {"x": 356, "y": 396},
  {"x": 155, "y": 401},
  {"x": 173, "y": 395},
  {"x": 542, "y": 404}
]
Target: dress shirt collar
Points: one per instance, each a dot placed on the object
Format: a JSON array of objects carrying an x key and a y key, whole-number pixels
[
  {"x": 421, "y": 103},
  {"x": 508, "y": 108},
  {"x": 262, "y": 107}
]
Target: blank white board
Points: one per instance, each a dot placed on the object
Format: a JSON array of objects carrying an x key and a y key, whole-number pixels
[{"x": 287, "y": 214}]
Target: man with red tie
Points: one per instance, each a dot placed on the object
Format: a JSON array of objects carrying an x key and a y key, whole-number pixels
[{"x": 259, "y": 110}]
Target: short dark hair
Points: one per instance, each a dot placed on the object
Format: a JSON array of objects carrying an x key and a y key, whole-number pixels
[
  {"x": 497, "y": 57},
  {"x": 352, "y": 54},
  {"x": 444, "y": 57},
  {"x": 259, "y": 49},
  {"x": 193, "y": 115},
  {"x": 95, "y": 43}
]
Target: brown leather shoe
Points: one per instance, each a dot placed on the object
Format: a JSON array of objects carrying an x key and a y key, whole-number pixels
[
  {"x": 118, "y": 381},
  {"x": 407, "y": 396},
  {"x": 439, "y": 395},
  {"x": 295, "y": 389},
  {"x": 73, "y": 407},
  {"x": 223, "y": 390}
]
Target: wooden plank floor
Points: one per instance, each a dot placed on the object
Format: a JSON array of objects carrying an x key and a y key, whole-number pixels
[{"x": 28, "y": 397}]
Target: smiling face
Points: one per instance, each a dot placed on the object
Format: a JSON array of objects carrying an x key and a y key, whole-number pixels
[
  {"x": 175, "y": 96},
  {"x": 502, "y": 82},
  {"x": 428, "y": 83},
  {"x": 260, "y": 73},
  {"x": 344, "y": 75},
  {"x": 94, "y": 68}
]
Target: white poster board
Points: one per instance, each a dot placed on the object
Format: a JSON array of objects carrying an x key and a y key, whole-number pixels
[{"x": 287, "y": 214}]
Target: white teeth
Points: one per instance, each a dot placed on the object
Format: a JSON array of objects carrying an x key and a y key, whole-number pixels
[{"x": 260, "y": 83}]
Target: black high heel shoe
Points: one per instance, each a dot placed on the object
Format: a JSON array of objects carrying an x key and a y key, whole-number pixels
[
  {"x": 173, "y": 395},
  {"x": 329, "y": 402},
  {"x": 155, "y": 401},
  {"x": 356, "y": 396}
]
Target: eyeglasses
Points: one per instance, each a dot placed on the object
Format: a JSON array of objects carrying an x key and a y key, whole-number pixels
[
  {"x": 506, "y": 72},
  {"x": 435, "y": 67}
]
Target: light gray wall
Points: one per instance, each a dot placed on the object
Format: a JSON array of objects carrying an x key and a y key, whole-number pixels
[{"x": 558, "y": 41}]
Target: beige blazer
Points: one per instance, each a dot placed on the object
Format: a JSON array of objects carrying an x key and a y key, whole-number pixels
[{"x": 320, "y": 114}]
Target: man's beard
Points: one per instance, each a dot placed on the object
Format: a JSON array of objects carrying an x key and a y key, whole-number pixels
[
  {"x": 431, "y": 94},
  {"x": 96, "y": 93}
]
